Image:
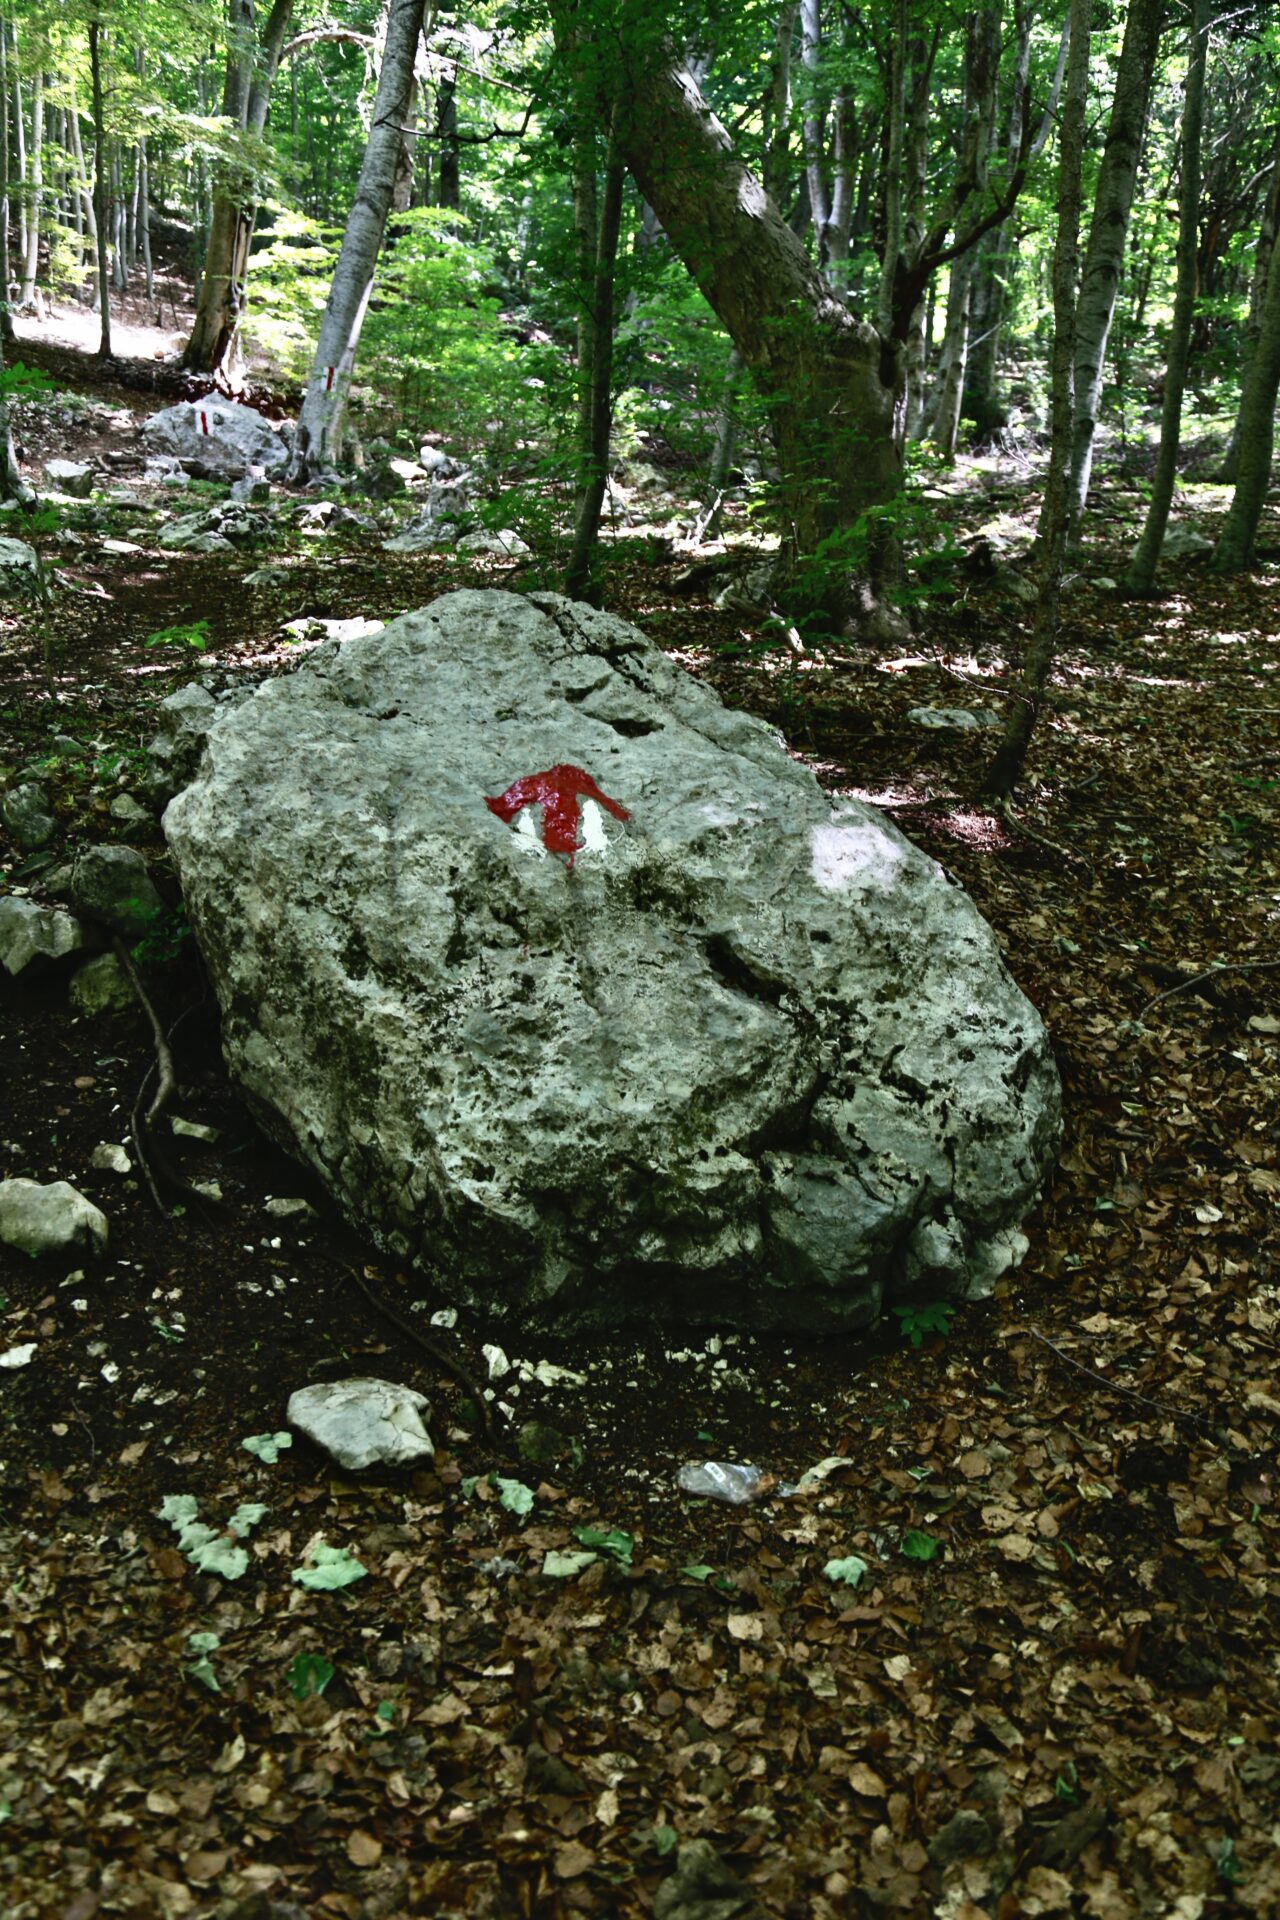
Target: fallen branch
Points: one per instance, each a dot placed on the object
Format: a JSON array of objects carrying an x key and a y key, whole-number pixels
[
  {"x": 440, "y": 1355},
  {"x": 1211, "y": 973},
  {"x": 1018, "y": 825},
  {"x": 1128, "y": 1393}
]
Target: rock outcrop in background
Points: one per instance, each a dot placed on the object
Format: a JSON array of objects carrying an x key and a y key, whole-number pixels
[{"x": 744, "y": 1056}]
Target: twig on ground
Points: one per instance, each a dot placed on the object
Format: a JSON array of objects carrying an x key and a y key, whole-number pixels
[
  {"x": 441, "y": 1356},
  {"x": 1018, "y": 825},
  {"x": 1112, "y": 1386},
  {"x": 1211, "y": 973},
  {"x": 140, "y": 1124}
]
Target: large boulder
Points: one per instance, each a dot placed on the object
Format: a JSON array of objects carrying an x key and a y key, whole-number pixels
[
  {"x": 572, "y": 985},
  {"x": 218, "y": 438}
]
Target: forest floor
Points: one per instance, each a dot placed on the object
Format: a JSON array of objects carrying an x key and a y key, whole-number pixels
[{"x": 1053, "y": 1690}]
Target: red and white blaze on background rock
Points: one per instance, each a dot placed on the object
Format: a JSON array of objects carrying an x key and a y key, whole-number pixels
[{"x": 574, "y": 987}]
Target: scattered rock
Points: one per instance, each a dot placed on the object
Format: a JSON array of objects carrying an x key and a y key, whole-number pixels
[
  {"x": 165, "y": 471},
  {"x": 193, "y": 1130},
  {"x": 506, "y": 543},
  {"x": 102, "y": 987},
  {"x": 267, "y": 577},
  {"x": 966, "y": 1834},
  {"x": 183, "y": 721},
  {"x": 30, "y": 933},
  {"x": 109, "y": 1158},
  {"x": 113, "y": 886},
  {"x": 751, "y": 592},
  {"x": 280, "y": 1207},
  {"x": 1016, "y": 586},
  {"x": 218, "y": 438},
  {"x": 702, "y": 1887},
  {"x": 252, "y": 488},
  {"x": 55, "y": 1218},
  {"x": 540, "y": 1445},
  {"x": 424, "y": 536},
  {"x": 18, "y": 564},
  {"x": 1184, "y": 543},
  {"x": 363, "y": 1423},
  {"x": 953, "y": 719},
  {"x": 773, "y": 1004},
  {"x": 128, "y": 811},
  {"x": 25, "y": 813},
  {"x": 436, "y": 462},
  {"x": 314, "y": 629},
  {"x": 72, "y": 477}
]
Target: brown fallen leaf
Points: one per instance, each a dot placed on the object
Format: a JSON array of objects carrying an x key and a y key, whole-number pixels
[
  {"x": 573, "y": 1860},
  {"x": 204, "y": 1866},
  {"x": 866, "y": 1781},
  {"x": 362, "y": 1849}
]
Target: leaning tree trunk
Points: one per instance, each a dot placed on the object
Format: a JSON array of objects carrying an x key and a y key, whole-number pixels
[
  {"x": 1104, "y": 255},
  {"x": 1255, "y": 431},
  {"x": 322, "y": 420},
  {"x": 831, "y": 383},
  {"x": 1006, "y": 767},
  {"x": 246, "y": 97},
  {"x": 100, "y": 190},
  {"x": 1141, "y": 575}
]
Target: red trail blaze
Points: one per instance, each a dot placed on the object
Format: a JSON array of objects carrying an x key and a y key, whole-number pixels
[{"x": 557, "y": 792}]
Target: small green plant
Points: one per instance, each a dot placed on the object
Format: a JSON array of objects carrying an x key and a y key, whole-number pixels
[
  {"x": 309, "y": 1675},
  {"x": 201, "y": 1668},
  {"x": 194, "y": 635},
  {"x": 920, "y": 1546},
  {"x": 1067, "y": 1784},
  {"x": 1227, "y": 1861},
  {"x": 929, "y": 1316}
]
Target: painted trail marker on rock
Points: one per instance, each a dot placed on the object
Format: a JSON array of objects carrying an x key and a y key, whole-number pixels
[
  {"x": 762, "y": 1065},
  {"x": 557, "y": 792}
]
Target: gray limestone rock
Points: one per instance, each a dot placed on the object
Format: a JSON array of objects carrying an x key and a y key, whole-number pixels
[
  {"x": 30, "y": 933},
  {"x": 953, "y": 719},
  {"x": 18, "y": 565},
  {"x": 220, "y": 437},
  {"x": 748, "y": 1057},
  {"x": 49, "y": 1219},
  {"x": 101, "y": 986},
  {"x": 507, "y": 544},
  {"x": 1185, "y": 543},
  {"x": 113, "y": 886},
  {"x": 25, "y": 812},
  {"x": 129, "y": 812},
  {"x": 363, "y": 1423},
  {"x": 72, "y": 477}
]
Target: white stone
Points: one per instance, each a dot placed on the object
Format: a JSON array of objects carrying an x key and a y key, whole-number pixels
[
  {"x": 507, "y": 543},
  {"x": 953, "y": 719},
  {"x": 16, "y": 556},
  {"x": 29, "y": 933},
  {"x": 71, "y": 477},
  {"x": 55, "y": 1218},
  {"x": 753, "y": 1059},
  {"x": 220, "y": 436},
  {"x": 109, "y": 1158},
  {"x": 363, "y": 1423}
]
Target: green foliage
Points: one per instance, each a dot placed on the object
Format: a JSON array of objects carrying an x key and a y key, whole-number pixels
[
  {"x": 194, "y": 634},
  {"x": 201, "y": 1668},
  {"x": 920, "y": 1546},
  {"x": 18, "y": 382},
  {"x": 611, "y": 1540},
  {"x": 267, "y": 1447},
  {"x": 288, "y": 286},
  {"x": 309, "y": 1675},
  {"x": 847, "y": 1572},
  {"x": 1227, "y": 1861},
  {"x": 329, "y": 1569},
  {"x": 916, "y": 1319}
]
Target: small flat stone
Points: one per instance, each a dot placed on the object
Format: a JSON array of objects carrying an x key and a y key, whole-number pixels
[
  {"x": 52, "y": 1218},
  {"x": 363, "y": 1422}
]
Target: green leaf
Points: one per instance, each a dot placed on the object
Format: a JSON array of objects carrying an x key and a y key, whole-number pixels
[
  {"x": 201, "y": 1668},
  {"x": 610, "y": 1540},
  {"x": 267, "y": 1447},
  {"x": 848, "y": 1571},
  {"x": 928, "y": 1316},
  {"x": 246, "y": 1518},
  {"x": 698, "y": 1572},
  {"x": 565, "y": 1566},
  {"x": 310, "y": 1673},
  {"x": 920, "y": 1546},
  {"x": 331, "y": 1568},
  {"x": 386, "y": 1709},
  {"x": 665, "y": 1840},
  {"x": 515, "y": 1496}
]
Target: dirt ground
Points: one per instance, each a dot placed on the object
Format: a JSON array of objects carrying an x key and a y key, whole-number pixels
[{"x": 1052, "y": 1687}]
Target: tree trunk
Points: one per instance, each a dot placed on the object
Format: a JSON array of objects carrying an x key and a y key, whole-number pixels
[
  {"x": 1257, "y": 299},
  {"x": 812, "y": 126},
  {"x": 1006, "y": 767},
  {"x": 246, "y": 98},
  {"x": 595, "y": 371},
  {"x": 35, "y": 192},
  {"x": 831, "y": 383},
  {"x": 448, "y": 168},
  {"x": 1255, "y": 431},
  {"x": 100, "y": 190},
  {"x": 722, "y": 451},
  {"x": 82, "y": 183},
  {"x": 1141, "y": 575},
  {"x": 777, "y": 104},
  {"x": 12, "y": 484},
  {"x": 955, "y": 355},
  {"x": 322, "y": 419},
  {"x": 6, "y": 317},
  {"x": 1104, "y": 256}
]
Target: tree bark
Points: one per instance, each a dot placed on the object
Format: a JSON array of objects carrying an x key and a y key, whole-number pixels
[
  {"x": 595, "y": 372},
  {"x": 35, "y": 192},
  {"x": 100, "y": 190},
  {"x": 1104, "y": 256},
  {"x": 832, "y": 384},
  {"x": 1141, "y": 575},
  {"x": 6, "y": 317},
  {"x": 12, "y": 484},
  {"x": 1257, "y": 299},
  {"x": 252, "y": 61},
  {"x": 1010, "y": 757},
  {"x": 955, "y": 355},
  {"x": 321, "y": 423},
  {"x": 1255, "y": 431}
]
